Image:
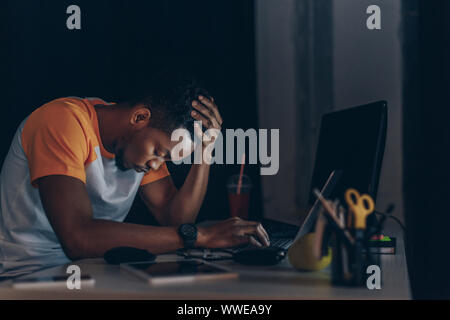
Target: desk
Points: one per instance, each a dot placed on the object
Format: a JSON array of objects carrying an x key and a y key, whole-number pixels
[{"x": 274, "y": 282}]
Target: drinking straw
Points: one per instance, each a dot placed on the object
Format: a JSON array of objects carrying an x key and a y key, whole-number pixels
[{"x": 240, "y": 174}]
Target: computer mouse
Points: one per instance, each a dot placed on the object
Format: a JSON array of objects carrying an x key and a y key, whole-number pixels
[
  {"x": 264, "y": 256},
  {"x": 127, "y": 254}
]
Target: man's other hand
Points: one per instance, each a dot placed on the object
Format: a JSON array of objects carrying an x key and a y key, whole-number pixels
[{"x": 231, "y": 233}]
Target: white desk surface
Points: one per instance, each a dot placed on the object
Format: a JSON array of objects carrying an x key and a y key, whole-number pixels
[{"x": 275, "y": 282}]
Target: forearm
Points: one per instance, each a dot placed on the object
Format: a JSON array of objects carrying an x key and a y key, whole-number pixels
[
  {"x": 98, "y": 236},
  {"x": 185, "y": 205},
  {"x": 69, "y": 211}
]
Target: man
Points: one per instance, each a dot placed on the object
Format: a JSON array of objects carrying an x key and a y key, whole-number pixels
[{"x": 75, "y": 166}]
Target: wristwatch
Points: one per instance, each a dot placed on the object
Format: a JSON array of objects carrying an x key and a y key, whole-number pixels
[{"x": 188, "y": 232}]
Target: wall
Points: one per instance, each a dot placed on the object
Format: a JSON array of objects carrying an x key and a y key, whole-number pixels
[
  {"x": 275, "y": 56},
  {"x": 367, "y": 67}
]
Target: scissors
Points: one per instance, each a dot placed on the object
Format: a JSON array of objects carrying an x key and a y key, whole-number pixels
[{"x": 361, "y": 205}]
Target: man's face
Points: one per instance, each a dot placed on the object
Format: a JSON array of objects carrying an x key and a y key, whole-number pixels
[{"x": 147, "y": 149}]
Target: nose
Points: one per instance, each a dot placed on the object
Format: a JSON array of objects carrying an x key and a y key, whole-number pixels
[{"x": 155, "y": 163}]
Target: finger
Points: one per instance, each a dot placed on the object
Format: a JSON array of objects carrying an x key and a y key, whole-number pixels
[
  {"x": 210, "y": 112},
  {"x": 264, "y": 232},
  {"x": 248, "y": 239},
  {"x": 260, "y": 227},
  {"x": 210, "y": 103},
  {"x": 262, "y": 235},
  {"x": 254, "y": 242},
  {"x": 207, "y": 113},
  {"x": 254, "y": 230},
  {"x": 198, "y": 130},
  {"x": 200, "y": 109},
  {"x": 206, "y": 122},
  {"x": 248, "y": 222}
]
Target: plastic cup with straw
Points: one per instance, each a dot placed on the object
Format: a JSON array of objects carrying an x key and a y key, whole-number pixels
[{"x": 239, "y": 187}]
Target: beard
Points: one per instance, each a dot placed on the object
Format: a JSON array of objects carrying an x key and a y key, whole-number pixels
[{"x": 119, "y": 161}]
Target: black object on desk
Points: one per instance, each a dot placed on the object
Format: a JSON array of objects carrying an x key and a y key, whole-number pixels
[
  {"x": 120, "y": 255},
  {"x": 385, "y": 246},
  {"x": 264, "y": 256}
]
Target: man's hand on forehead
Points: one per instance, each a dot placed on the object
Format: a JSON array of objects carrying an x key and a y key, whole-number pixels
[{"x": 206, "y": 111}]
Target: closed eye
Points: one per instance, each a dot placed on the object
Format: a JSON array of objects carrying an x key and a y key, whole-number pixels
[{"x": 165, "y": 155}]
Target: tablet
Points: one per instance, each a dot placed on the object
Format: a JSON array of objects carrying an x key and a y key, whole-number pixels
[{"x": 177, "y": 271}]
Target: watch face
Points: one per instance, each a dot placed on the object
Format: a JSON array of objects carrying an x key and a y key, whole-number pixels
[
  {"x": 189, "y": 231},
  {"x": 189, "y": 234}
]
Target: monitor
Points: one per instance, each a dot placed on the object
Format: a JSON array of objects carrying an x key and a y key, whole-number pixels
[{"x": 352, "y": 141}]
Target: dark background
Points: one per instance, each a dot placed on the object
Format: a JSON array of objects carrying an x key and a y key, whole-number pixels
[
  {"x": 426, "y": 142},
  {"x": 118, "y": 47}
]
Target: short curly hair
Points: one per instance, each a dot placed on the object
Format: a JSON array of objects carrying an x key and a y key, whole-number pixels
[{"x": 169, "y": 98}]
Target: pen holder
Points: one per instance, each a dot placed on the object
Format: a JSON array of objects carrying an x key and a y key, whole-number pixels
[{"x": 350, "y": 261}]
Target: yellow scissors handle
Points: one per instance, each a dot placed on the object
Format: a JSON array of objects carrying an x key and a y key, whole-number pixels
[
  {"x": 352, "y": 196},
  {"x": 361, "y": 205},
  {"x": 366, "y": 202}
]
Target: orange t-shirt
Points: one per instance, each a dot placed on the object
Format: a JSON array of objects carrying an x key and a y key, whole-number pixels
[{"x": 60, "y": 138}]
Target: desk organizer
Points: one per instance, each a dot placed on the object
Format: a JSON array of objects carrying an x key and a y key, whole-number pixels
[{"x": 350, "y": 261}]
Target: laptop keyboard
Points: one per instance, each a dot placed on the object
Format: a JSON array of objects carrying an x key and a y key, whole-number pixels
[
  {"x": 281, "y": 235},
  {"x": 277, "y": 229},
  {"x": 281, "y": 243}
]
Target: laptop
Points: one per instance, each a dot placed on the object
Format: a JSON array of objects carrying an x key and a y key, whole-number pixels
[
  {"x": 349, "y": 154},
  {"x": 283, "y": 238}
]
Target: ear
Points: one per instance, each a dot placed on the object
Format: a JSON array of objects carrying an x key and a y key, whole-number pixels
[{"x": 140, "y": 116}]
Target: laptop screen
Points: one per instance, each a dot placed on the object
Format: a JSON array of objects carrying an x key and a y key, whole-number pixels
[{"x": 310, "y": 220}]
